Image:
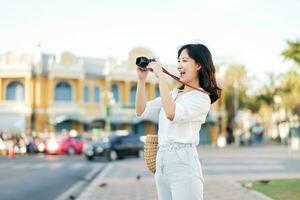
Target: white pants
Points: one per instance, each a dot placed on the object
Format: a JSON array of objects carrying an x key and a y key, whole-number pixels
[{"x": 178, "y": 173}]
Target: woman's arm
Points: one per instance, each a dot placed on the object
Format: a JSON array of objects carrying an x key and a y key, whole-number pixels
[
  {"x": 140, "y": 102},
  {"x": 168, "y": 103},
  {"x": 143, "y": 109}
]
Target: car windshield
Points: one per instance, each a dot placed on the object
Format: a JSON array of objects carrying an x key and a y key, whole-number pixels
[{"x": 106, "y": 140}]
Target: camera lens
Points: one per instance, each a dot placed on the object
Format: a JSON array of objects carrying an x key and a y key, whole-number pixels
[{"x": 142, "y": 62}]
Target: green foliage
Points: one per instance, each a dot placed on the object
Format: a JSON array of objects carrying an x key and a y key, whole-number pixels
[
  {"x": 289, "y": 91},
  {"x": 254, "y": 103},
  {"x": 293, "y": 51},
  {"x": 288, "y": 88}
]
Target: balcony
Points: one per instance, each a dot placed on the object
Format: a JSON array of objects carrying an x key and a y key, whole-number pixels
[
  {"x": 59, "y": 108},
  {"x": 15, "y": 107}
]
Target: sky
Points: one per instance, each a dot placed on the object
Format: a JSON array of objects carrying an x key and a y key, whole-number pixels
[{"x": 248, "y": 32}]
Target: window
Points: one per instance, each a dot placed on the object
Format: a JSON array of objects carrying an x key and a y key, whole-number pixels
[
  {"x": 132, "y": 94},
  {"x": 157, "y": 92},
  {"x": 115, "y": 91},
  {"x": 65, "y": 125},
  {"x": 86, "y": 94},
  {"x": 126, "y": 139},
  {"x": 97, "y": 94},
  {"x": 63, "y": 92},
  {"x": 15, "y": 91},
  {"x": 138, "y": 129}
]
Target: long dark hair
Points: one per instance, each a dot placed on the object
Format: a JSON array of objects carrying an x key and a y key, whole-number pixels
[{"x": 206, "y": 75}]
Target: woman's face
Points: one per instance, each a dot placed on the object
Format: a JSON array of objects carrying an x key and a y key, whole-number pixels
[{"x": 187, "y": 68}]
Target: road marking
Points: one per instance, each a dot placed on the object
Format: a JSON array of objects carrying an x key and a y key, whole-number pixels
[
  {"x": 76, "y": 165},
  {"x": 55, "y": 165},
  {"x": 232, "y": 161},
  {"x": 78, "y": 186},
  {"x": 39, "y": 166},
  {"x": 20, "y": 166},
  {"x": 243, "y": 167},
  {"x": 92, "y": 173}
]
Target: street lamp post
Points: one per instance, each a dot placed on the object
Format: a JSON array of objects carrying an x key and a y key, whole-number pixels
[
  {"x": 235, "y": 126},
  {"x": 110, "y": 101}
]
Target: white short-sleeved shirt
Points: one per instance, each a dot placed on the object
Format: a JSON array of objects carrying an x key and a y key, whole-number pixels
[{"x": 191, "y": 111}]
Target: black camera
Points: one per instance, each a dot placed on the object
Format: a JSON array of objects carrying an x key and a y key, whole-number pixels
[{"x": 143, "y": 62}]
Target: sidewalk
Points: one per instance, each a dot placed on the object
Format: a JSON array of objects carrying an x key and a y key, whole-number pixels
[{"x": 130, "y": 180}]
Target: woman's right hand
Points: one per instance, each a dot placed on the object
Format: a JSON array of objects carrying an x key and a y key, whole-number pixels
[{"x": 142, "y": 75}]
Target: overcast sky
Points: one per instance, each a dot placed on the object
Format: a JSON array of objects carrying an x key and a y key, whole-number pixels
[{"x": 250, "y": 32}]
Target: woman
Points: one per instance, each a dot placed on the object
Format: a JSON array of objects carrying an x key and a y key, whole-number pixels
[{"x": 180, "y": 112}]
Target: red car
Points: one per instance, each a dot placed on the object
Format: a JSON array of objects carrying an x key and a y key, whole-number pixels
[{"x": 72, "y": 145}]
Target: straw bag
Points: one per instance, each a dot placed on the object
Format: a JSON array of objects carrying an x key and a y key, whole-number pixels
[{"x": 150, "y": 150}]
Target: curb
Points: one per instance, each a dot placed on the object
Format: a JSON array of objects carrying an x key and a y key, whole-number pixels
[
  {"x": 91, "y": 187},
  {"x": 263, "y": 196}
]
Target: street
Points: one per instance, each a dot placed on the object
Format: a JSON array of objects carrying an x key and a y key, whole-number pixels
[
  {"x": 59, "y": 177},
  {"x": 44, "y": 177},
  {"x": 249, "y": 163}
]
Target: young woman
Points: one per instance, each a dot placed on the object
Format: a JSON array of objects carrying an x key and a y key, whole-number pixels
[{"x": 180, "y": 112}]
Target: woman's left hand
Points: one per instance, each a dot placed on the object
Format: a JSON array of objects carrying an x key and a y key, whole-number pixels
[{"x": 156, "y": 68}]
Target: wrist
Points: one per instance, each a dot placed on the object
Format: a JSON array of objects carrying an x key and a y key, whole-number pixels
[
  {"x": 161, "y": 80},
  {"x": 141, "y": 81}
]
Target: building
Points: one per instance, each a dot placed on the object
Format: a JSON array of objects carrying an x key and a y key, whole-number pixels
[
  {"x": 54, "y": 92},
  {"x": 50, "y": 92}
]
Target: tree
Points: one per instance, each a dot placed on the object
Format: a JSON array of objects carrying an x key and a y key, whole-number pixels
[
  {"x": 293, "y": 51},
  {"x": 235, "y": 85},
  {"x": 264, "y": 96},
  {"x": 289, "y": 90},
  {"x": 290, "y": 86}
]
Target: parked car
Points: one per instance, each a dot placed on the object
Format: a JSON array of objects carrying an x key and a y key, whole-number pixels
[
  {"x": 115, "y": 147},
  {"x": 61, "y": 145},
  {"x": 72, "y": 145},
  {"x": 35, "y": 145},
  {"x": 53, "y": 145}
]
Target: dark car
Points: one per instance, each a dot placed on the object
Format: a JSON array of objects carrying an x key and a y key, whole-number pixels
[{"x": 115, "y": 147}]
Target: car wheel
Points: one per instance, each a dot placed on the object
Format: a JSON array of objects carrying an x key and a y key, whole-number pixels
[
  {"x": 90, "y": 158},
  {"x": 71, "y": 151},
  {"x": 112, "y": 155},
  {"x": 140, "y": 153}
]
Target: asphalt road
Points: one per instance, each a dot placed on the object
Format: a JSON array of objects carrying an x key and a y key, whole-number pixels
[
  {"x": 44, "y": 177},
  {"x": 54, "y": 177}
]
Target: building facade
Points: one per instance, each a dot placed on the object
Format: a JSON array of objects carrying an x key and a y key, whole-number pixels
[
  {"x": 50, "y": 92},
  {"x": 41, "y": 92}
]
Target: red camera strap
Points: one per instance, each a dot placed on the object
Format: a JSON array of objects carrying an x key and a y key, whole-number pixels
[{"x": 178, "y": 79}]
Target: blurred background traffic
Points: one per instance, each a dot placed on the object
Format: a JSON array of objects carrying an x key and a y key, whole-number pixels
[{"x": 74, "y": 100}]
